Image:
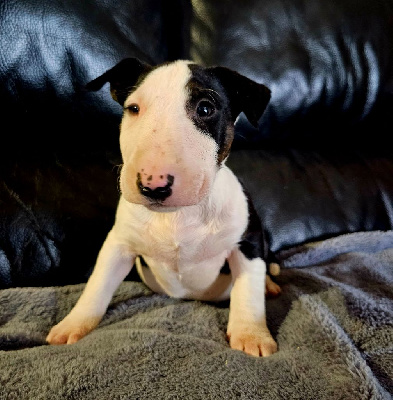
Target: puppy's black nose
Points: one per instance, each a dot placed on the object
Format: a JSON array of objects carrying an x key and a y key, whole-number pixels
[{"x": 158, "y": 193}]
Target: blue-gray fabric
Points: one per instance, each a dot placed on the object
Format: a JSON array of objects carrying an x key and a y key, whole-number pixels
[{"x": 333, "y": 323}]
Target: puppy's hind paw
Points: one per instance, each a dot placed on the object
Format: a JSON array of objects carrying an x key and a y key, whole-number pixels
[{"x": 272, "y": 289}]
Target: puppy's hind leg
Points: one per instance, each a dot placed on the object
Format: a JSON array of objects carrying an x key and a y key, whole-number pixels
[
  {"x": 272, "y": 289},
  {"x": 247, "y": 329}
]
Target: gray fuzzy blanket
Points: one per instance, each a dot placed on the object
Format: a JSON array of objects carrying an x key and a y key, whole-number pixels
[{"x": 333, "y": 323}]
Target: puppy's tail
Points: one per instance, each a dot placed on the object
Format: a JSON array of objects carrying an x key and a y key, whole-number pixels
[{"x": 274, "y": 269}]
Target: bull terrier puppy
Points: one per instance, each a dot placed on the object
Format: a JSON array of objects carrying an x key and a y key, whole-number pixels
[{"x": 182, "y": 214}]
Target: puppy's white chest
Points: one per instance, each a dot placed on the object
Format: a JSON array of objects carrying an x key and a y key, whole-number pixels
[
  {"x": 183, "y": 239},
  {"x": 186, "y": 249},
  {"x": 187, "y": 261}
]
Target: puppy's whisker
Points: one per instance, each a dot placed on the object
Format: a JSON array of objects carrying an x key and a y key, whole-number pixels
[
  {"x": 119, "y": 168},
  {"x": 118, "y": 184},
  {"x": 213, "y": 91}
]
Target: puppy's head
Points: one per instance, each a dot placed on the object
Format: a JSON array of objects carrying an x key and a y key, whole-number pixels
[{"x": 177, "y": 127}]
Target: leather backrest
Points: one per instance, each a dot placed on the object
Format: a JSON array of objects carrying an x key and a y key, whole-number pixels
[
  {"x": 329, "y": 65},
  {"x": 50, "y": 49}
]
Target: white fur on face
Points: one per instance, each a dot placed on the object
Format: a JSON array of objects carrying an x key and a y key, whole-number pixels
[{"x": 161, "y": 140}]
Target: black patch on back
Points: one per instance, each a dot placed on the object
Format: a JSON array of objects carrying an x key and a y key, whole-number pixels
[{"x": 253, "y": 243}]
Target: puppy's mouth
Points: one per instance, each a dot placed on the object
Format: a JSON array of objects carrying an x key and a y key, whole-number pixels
[
  {"x": 172, "y": 204},
  {"x": 160, "y": 207}
]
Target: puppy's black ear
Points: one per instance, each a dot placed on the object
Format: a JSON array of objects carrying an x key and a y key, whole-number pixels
[
  {"x": 123, "y": 78},
  {"x": 244, "y": 94}
]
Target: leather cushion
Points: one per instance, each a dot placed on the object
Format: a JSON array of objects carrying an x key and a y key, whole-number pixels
[{"x": 303, "y": 195}]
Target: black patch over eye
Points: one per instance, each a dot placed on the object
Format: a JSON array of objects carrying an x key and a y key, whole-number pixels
[
  {"x": 205, "y": 109},
  {"x": 133, "y": 108}
]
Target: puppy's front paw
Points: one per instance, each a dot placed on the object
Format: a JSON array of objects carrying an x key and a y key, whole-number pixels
[
  {"x": 253, "y": 341},
  {"x": 71, "y": 329}
]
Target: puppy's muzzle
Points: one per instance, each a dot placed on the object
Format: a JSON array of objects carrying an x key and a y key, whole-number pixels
[{"x": 155, "y": 187}]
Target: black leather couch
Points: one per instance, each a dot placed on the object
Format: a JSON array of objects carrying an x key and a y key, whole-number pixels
[{"x": 319, "y": 165}]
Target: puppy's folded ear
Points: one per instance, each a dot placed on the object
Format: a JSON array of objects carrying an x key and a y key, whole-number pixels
[
  {"x": 244, "y": 94},
  {"x": 123, "y": 78}
]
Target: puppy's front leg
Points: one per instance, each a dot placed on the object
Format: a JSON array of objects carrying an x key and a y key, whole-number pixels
[
  {"x": 114, "y": 262},
  {"x": 247, "y": 329}
]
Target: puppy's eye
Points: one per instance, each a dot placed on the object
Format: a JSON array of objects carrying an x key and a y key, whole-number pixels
[
  {"x": 133, "y": 108},
  {"x": 205, "y": 109}
]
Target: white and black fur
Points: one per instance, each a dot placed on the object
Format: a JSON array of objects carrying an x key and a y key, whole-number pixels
[{"x": 182, "y": 214}]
